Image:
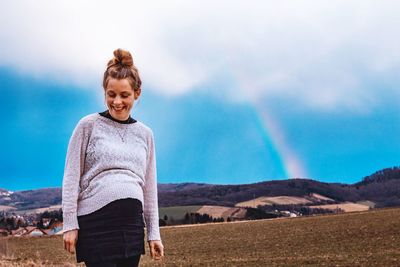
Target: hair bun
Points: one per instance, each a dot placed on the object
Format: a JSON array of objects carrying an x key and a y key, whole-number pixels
[
  {"x": 121, "y": 67},
  {"x": 123, "y": 57}
]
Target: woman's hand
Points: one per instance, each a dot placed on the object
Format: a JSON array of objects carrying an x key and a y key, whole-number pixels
[
  {"x": 156, "y": 249},
  {"x": 70, "y": 238}
]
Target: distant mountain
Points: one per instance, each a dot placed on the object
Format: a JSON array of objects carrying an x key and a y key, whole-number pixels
[
  {"x": 229, "y": 195},
  {"x": 5, "y": 193},
  {"x": 382, "y": 176},
  {"x": 31, "y": 199},
  {"x": 382, "y": 188}
]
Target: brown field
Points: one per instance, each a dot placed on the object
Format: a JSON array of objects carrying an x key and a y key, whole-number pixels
[
  {"x": 321, "y": 197},
  {"x": 280, "y": 200},
  {"x": 6, "y": 208},
  {"x": 39, "y": 210},
  {"x": 367, "y": 203},
  {"x": 224, "y": 212},
  {"x": 346, "y": 207},
  {"x": 369, "y": 238}
]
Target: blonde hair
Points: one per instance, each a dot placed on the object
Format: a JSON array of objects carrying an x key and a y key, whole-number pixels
[{"x": 121, "y": 67}]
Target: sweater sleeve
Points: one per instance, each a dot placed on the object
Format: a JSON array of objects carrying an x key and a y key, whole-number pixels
[
  {"x": 150, "y": 194},
  {"x": 73, "y": 170}
]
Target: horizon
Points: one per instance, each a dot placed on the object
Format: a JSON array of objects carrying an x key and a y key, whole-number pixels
[
  {"x": 53, "y": 187},
  {"x": 311, "y": 91}
]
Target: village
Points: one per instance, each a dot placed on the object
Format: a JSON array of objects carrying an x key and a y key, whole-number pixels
[{"x": 44, "y": 224}]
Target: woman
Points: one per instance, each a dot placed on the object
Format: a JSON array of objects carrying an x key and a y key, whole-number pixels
[{"x": 110, "y": 182}]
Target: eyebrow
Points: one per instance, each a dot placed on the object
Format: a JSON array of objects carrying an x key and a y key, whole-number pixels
[{"x": 123, "y": 92}]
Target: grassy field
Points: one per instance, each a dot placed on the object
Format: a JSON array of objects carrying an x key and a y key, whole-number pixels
[
  {"x": 370, "y": 238},
  {"x": 177, "y": 212}
]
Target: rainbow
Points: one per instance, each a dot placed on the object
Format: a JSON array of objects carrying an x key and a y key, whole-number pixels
[{"x": 291, "y": 164}]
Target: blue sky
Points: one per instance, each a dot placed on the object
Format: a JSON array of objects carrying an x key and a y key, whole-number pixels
[{"x": 240, "y": 95}]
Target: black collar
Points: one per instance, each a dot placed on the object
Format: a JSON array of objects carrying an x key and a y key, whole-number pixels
[{"x": 107, "y": 115}]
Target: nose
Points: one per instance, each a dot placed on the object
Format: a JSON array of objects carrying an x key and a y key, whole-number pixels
[{"x": 117, "y": 100}]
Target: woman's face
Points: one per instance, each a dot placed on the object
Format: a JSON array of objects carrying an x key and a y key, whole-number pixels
[{"x": 119, "y": 97}]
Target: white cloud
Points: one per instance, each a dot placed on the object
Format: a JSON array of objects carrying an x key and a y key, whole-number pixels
[{"x": 322, "y": 53}]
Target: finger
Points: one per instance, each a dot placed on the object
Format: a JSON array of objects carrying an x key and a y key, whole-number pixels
[
  {"x": 73, "y": 245},
  {"x": 70, "y": 247},
  {"x": 159, "y": 253},
  {"x": 66, "y": 244},
  {"x": 152, "y": 251},
  {"x": 73, "y": 249}
]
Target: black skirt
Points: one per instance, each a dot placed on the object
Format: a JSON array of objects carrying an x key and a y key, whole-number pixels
[{"x": 116, "y": 231}]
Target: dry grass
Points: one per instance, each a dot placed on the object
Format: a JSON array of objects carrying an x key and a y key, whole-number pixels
[
  {"x": 224, "y": 212},
  {"x": 280, "y": 200},
  {"x": 369, "y": 238},
  {"x": 39, "y": 210},
  {"x": 321, "y": 197},
  {"x": 346, "y": 207},
  {"x": 6, "y": 208}
]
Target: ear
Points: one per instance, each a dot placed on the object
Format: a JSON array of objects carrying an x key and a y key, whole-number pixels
[{"x": 137, "y": 93}]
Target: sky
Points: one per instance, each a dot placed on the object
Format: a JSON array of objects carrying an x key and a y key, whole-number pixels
[{"x": 235, "y": 92}]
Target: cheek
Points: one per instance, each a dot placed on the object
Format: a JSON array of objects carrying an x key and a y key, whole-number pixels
[
  {"x": 108, "y": 100},
  {"x": 129, "y": 102}
]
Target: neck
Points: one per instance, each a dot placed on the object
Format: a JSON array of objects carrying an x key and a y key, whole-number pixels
[{"x": 108, "y": 115}]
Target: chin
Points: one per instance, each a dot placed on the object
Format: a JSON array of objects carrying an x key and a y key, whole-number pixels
[{"x": 119, "y": 115}]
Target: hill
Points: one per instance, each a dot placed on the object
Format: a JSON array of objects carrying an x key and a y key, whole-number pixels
[
  {"x": 380, "y": 188},
  {"x": 31, "y": 199}
]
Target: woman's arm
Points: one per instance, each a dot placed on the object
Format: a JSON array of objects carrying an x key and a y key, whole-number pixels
[
  {"x": 73, "y": 170},
  {"x": 151, "y": 204},
  {"x": 150, "y": 208}
]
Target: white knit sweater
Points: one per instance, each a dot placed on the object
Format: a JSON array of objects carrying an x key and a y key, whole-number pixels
[{"x": 106, "y": 161}]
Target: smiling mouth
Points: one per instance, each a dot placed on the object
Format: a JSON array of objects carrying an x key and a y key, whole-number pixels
[{"x": 118, "y": 109}]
